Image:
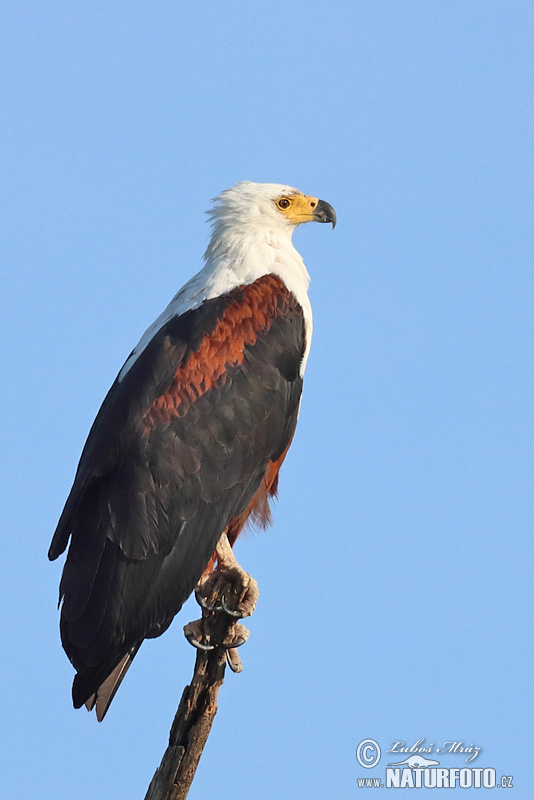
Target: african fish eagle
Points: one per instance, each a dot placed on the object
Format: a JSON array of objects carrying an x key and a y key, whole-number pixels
[{"x": 190, "y": 438}]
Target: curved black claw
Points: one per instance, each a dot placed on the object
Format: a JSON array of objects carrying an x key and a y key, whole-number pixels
[
  {"x": 237, "y": 635},
  {"x": 190, "y": 636},
  {"x": 233, "y": 644},
  {"x": 232, "y": 613},
  {"x": 199, "y": 645},
  {"x": 201, "y": 600}
]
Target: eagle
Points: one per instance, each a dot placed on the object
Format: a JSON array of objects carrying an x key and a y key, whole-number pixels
[{"x": 189, "y": 441}]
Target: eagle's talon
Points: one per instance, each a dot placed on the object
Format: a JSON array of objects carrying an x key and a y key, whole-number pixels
[
  {"x": 199, "y": 645},
  {"x": 228, "y": 588},
  {"x": 203, "y": 603},
  {"x": 237, "y": 613},
  {"x": 242, "y": 593},
  {"x": 237, "y": 636},
  {"x": 235, "y": 644},
  {"x": 194, "y": 633}
]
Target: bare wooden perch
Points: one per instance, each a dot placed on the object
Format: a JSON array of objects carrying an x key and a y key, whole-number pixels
[
  {"x": 190, "y": 729},
  {"x": 218, "y": 630}
]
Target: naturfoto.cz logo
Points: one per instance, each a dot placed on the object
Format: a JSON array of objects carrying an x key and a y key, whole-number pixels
[{"x": 418, "y": 771}]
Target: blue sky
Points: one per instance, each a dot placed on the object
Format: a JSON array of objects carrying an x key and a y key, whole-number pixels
[{"x": 396, "y": 579}]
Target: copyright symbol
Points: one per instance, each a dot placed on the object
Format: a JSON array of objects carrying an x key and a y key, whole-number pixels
[{"x": 368, "y": 753}]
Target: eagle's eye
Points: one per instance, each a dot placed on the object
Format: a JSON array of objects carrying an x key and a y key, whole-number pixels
[{"x": 284, "y": 202}]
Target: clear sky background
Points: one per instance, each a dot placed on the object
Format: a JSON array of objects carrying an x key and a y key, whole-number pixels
[{"x": 396, "y": 579}]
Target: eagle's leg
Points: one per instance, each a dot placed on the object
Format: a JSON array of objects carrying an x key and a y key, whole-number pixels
[
  {"x": 236, "y": 592},
  {"x": 228, "y": 590}
]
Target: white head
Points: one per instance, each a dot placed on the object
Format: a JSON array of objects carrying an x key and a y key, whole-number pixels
[
  {"x": 269, "y": 211},
  {"x": 252, "y": 228}
]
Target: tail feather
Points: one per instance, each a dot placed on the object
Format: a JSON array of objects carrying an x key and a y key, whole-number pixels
[
  {"x": 101, "y": 699},
  {"x": 90, "y": 702}
]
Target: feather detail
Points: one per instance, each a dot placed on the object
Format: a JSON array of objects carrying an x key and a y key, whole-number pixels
[{"x": 106, "y": 691}]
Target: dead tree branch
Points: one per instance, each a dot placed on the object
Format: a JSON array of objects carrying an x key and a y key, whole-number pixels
[{"x": 198, "y": 705}]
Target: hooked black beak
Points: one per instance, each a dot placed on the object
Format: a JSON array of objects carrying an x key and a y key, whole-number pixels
[{"x": 323, "y": 212}]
